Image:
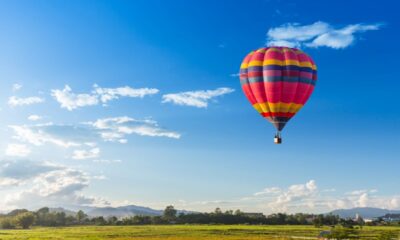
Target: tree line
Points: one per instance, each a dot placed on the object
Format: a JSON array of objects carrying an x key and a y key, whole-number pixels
[{"x": 22, "y": 218}]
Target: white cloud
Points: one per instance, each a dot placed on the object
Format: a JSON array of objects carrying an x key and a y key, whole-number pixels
[
  {"x": 298, "y": 194},
  {"x": 16, "y": 87},
  {"x": 34, "y": 117},
  {"x": 115, "y": 129},
  {"x": 71, "y": 101},
  {"x": 284, "y": 43},
  {"x": 363, "y": 200},
  {"x": 87, "y": 134},
  {"x": 271, "y": 190},
  {"x": 41, "y": 134},
  {"x": 99, "y": 177},
  {"x": 198, "y": 99},
  {"x": 18, "y": 150},
  {"x": 304, "y": 197},
  {"x": 14, "y": 101},
  {"x": 18, "y": 172},
  {"x": 107, "y": 94},
  {"x": 86, "y": 154},
  {"x": 295, "y": 33},
  {"x": 107, "y": 161},
  {"x": 44, "y": 184},
  {"x": 318, "y": 34},
  {"x": 7, "y": 182}
]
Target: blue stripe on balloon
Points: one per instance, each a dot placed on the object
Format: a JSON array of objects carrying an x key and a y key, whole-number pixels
[{"x": 277, "y": 79}]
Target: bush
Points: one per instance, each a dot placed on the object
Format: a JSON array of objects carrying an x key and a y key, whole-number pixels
[{"x": 7, "y": 223}]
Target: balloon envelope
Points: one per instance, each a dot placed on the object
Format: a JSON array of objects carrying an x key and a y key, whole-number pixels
[{"x": 278, "y": 82}]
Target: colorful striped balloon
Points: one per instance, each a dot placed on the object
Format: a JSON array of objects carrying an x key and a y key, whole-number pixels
[{"x": 278, "y": 82}]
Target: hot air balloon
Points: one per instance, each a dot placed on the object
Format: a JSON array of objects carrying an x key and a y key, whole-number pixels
[{"x": 278, "y": 81}]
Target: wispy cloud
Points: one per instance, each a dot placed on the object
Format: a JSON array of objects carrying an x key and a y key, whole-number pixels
[
  {"x": 107, "y": 161},
  {"x": 266, "y": 191},
  {"x": 116, "y": 128},
  {"x": 61, "y": 135},
  {"x": 108, "y": 94},
  {"x": 71, "y": 100},
  {"x": 14, "y": 101},
  {"x": 16, "y": 87},
  {"x": 198, "y": 98},
  {"x": 221, "y": 45},
  {"x": 82, "y": 154},
  {"x": 17, "y": 150},
  {"x": 318, "y": 34},
  {"x": 34, "y": 117}
]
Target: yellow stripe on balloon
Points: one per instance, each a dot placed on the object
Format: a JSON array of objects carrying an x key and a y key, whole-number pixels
[
  {"x": 277, "y": 107},
  {"x": 278, "y": 62},
  {"x": 273, "y": 49}
]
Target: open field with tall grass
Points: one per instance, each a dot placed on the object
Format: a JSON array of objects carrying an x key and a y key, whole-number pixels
[{"x": 183, "y": 232}]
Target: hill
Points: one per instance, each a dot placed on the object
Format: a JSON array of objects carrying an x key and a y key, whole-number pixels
[
  {"x": 66, "y": 211},
  {"x": 366, "y": 212},
  {"x": 123, "y": 211}
]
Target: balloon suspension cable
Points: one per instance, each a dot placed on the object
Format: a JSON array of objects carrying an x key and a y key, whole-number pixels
[{"x": 278, "y": 138}]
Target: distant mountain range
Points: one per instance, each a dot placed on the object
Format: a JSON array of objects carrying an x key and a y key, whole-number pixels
[
  {"x": 365, "y": 212},
  {"x": 120, "y": 212},
  {"x": 66, "y": 211},
  {"x": 124, "y": 211},
  {"x": 132, "y": 210}
]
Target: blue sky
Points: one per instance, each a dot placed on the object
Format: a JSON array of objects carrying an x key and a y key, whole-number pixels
[{"x": 138, "y": 102}]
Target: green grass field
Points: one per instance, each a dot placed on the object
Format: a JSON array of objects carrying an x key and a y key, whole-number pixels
[{"x": 182, "y": 232}]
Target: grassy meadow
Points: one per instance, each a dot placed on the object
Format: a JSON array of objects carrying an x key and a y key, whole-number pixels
[{"x": 182, "y": 232}]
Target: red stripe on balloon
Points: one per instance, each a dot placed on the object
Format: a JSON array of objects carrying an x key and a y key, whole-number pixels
[
  {"x": 247, "y": 91},
  {"x": 274, "y": 92},
  {"x": 278, "y": 73}
]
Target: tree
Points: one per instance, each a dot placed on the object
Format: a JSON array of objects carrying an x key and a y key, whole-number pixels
[
  {"x": 218, "y": 211},
  {"x": 7, "y": 223},
  {"x": 141, "y": 220},
  {"x": 170, "y": 213},
  {"x": 43, "y": 210},
  {"x": 112, "y": 220},
  {"x": 60, "y": 218},
  {"x": 157, "y": 220},
  {"x": 80, "y": 216},
  {"x": 229, "y": 212},
  {"x": 100, "y": 221},
  {"x": 16, "y": 212},
  {"x": 238, "y": 213},
  {"x": 25, "y": 220},
  {"x": 42, "y": 216},
  {"x": 360, "y": 222},
  {"x": 319, "y": 220},
  {"x": 70, "y": 220}
]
